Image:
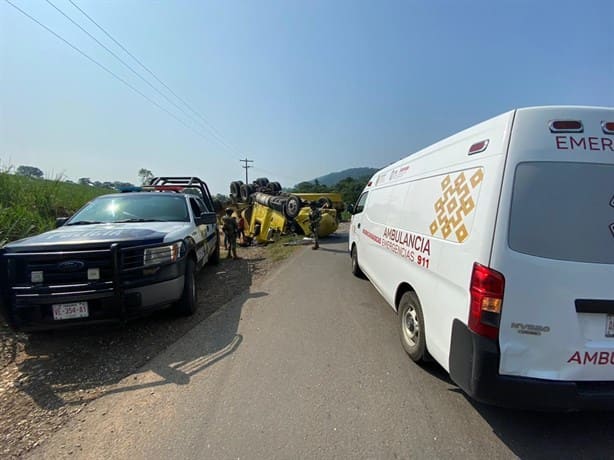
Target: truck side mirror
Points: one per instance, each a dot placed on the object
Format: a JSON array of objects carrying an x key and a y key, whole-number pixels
[
  {"x": 351, "y": 208},
  {"x": 206, "y": 218}
]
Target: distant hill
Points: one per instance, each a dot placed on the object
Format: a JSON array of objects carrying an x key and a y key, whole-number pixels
[{"x": 333, "y": 178}]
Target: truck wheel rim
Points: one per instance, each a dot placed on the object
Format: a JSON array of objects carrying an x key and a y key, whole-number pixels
[
  {"x": 292, "y": 208},
  {"x": 411, "y": 326}
]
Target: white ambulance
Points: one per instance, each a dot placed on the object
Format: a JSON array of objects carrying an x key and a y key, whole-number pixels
[{"x": 496, "y": 248}]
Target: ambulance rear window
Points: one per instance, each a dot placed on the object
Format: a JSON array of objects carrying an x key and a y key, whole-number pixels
[{"x": 564, "y": 211}]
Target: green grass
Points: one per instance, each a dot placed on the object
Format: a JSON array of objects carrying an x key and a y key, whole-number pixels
[
  {"x": 30, "y": 206},
  {"x": 278, "y": 252}
]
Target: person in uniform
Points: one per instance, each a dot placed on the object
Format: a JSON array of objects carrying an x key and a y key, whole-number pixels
[
  {"x": 241, "y": 233},
  {"x": 231, "y": 229},
  {"x": 314, "y": 223}
]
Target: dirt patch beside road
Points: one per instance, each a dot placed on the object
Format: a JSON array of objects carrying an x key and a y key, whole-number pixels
[{"x": 47, "y": 378}]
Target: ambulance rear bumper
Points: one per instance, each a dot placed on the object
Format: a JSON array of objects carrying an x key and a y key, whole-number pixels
[{"x": 474, "y": 367}]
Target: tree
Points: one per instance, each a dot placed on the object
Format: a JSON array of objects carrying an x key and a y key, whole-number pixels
[
  {"x": 119, "y": 185},
  {"x": 84, "y": 181},
  {"x": 311, "y": 187},
  {"x": 350, "y": 188},
  {"x": 145, "y": 175},
  {"x": 29, "y": 171}
]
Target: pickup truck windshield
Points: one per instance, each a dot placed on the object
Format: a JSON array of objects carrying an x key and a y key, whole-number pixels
[{"x": 133, "y": 208}]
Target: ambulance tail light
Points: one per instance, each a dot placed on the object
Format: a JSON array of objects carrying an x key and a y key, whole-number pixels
[{"x": 486, "y": 290}]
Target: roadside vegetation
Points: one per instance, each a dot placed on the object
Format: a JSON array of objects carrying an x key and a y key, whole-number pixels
[
  {"x": 349, "y": 188},
  {"x": 30, "y": 205},
  {"x": 282, "y": 249}
]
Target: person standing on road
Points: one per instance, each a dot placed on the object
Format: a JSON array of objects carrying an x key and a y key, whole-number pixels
[
  {"x": 314, "y": 223},
  {"x": 231, "y": 229},
  {"x": 241, "y": 233}
]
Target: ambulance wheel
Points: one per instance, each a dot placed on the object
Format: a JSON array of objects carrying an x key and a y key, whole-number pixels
[
  {"x": 186, "y": 306},
  {"x": 411, "y": 322},
  {"x": 356, "y": 271}
]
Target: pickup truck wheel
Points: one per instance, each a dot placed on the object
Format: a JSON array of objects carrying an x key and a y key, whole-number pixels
[
  {"x": 411, "y": 322},
  {"x": 356, "y": 271},
  {"x": 215, "y": 257},
  {"x": 186, "y": 306}
]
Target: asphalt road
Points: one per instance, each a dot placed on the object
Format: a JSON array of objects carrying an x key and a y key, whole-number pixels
[{"x": 308, "y": 364}]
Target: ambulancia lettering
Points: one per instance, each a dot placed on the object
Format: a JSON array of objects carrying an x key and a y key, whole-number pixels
[
  {"x": 413, "y": 247},
  {"x": 411, "y": 240},
  {"x": 596, "y": 358},
  {"x": 584, "y": 143}
]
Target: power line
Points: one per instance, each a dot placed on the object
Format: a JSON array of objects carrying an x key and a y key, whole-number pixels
[
  {"x": 191, "y": 117},
  {"x": 246, "y": 167},
  {"x": 136, "y": 90},
  {"x": 220, "y": 138}
]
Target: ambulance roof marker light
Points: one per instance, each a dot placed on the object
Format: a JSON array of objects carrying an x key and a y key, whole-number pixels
[
  {"x": 566, "y": 126},
  {"x": 370, "y": 183},
  {"x": 479, "y": 147},
  {"x": 607, "y": 127}
]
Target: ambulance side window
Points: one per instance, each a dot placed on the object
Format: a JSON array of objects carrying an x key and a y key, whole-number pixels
[{"x": 360, "y": 204}]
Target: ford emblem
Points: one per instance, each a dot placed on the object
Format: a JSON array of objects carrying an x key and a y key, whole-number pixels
[{"x": 71, "y": 265}]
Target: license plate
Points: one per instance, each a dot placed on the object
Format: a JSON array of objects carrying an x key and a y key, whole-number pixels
[
  {"x": 70, "y": 310},
  {"x": 609, "y": 326}
]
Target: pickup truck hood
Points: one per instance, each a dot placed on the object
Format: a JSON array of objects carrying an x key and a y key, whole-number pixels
[{"x": 135, "y": 233}]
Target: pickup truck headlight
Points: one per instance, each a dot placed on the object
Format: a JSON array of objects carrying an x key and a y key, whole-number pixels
[{"x": 162, "y": 254}]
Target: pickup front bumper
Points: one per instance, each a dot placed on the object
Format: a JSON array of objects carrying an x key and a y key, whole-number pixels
[{"x": 125, "y": 288}]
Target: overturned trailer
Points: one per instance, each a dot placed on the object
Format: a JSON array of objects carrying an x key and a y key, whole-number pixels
[{"x": 268, "y": 212}]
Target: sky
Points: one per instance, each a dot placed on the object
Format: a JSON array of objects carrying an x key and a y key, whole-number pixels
[{"x": 302, "y": 88}]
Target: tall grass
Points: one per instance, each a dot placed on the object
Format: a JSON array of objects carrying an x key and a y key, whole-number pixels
[{"x": 29, "y": 206}]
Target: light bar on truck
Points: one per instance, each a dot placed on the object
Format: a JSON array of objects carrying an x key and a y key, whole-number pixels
[
  {"x": 566, "y": 126},
  {"x": 478, "y": 147},
  {"x": 607, "y": 127}
]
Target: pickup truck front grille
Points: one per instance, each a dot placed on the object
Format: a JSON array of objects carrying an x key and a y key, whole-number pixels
[
  {"x": 60, "y": 268},
  {"x": 60, "y": 273}
]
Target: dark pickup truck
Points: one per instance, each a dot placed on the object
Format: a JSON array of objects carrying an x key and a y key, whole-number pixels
[{"x": 120, "y": 256}]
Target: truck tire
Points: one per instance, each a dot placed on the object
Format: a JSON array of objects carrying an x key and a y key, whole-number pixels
[
  {"x": 275, "y": 186},
  {"x": 324, "y": 201},
  {"x": 293, "y": 206},
  {"x": 186, "y": 306},
  {"x": 235, "y": 188},
  {"x": 411, "y": 327},
  {"x": 246, "y": 190},
  {"x": 262, "y": 181}
]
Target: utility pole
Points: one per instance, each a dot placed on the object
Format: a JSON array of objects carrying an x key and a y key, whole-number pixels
[{"x": 246, "y": 167}]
